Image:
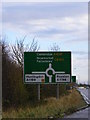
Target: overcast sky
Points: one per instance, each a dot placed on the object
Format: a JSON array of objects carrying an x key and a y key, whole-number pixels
[{"x": 65, "y": 24}]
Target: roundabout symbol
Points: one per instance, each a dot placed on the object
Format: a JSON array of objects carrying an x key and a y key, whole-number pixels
[{"x": 47, "y": 71}]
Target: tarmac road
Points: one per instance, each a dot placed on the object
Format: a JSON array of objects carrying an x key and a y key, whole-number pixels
[
  {"x": 85, "y": 113},
  {"x": 85, "y": 91},
  {"x": 80, "y": 114}
]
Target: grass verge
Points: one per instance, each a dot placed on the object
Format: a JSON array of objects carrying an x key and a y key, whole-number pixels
[{"x": 50, "y": 107}]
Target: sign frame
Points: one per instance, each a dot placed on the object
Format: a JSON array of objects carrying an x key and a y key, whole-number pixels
[
  {"x": 73, "y": 78},
  {"x": 49, "y": 66}
]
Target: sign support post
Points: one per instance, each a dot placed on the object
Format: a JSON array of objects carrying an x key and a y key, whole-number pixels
[
  {"x": 47, "y": 68},
  {"x": 57, "y": 91},
  {"x": 38, "y": 92}
]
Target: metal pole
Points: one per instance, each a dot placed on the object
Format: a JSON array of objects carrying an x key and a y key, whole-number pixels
[
  {"x": 57, "y": 91},
  {"x": 0, "y": 81},
  {"x": 38, "y": 91}
]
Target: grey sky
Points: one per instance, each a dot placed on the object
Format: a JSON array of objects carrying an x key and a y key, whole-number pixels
[{"x": 63, "y": 23}]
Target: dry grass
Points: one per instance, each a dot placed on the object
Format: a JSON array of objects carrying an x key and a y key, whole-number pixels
[{"x": 51, "y": 107}]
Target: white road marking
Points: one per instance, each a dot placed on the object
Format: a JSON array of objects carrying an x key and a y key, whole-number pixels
[{"x": 86, "y": 98}]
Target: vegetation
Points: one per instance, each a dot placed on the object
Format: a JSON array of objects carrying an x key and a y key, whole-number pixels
[
  {"x": 13, "y": 89},
  {"x": 83, "y": 85},
  {"x": 15, "y": 92},
  {"x": 49, "y": 107},
  {"x": 54, "y": 47},
  {"x": 19, "y": 99},
  {"x": 17, "y": 50}
]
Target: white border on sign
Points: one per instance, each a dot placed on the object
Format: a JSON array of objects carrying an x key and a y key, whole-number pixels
[{"x": 63, "y": 77}]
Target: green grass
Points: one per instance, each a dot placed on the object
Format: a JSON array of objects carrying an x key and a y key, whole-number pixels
[{"x": 50, "y": 107}]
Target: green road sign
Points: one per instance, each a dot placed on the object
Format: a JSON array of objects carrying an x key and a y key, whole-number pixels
[
  {"x": 73, "y": 79},
  {"x": 47, "y": 67}
]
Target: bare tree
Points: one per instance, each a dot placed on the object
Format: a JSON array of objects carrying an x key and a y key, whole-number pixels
[
  {"x": 20, "y": 47},
  {"x": 55, "y": 47}
]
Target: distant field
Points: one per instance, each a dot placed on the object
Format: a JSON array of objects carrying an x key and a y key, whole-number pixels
[{"x": 50, "y": 107}]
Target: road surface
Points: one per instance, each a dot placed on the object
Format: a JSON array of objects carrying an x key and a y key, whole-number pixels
[
  {"x": 85, "y": 113},
  {"x": 85, "y": 92}
]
